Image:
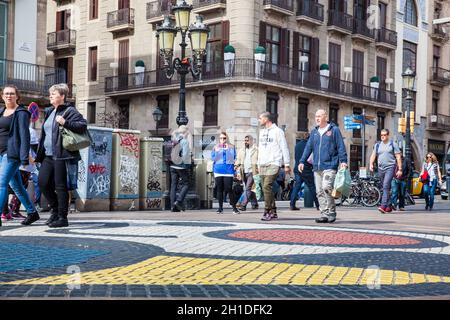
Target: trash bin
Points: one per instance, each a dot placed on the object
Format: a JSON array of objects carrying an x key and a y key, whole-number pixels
[
  {"x": 125, "y": 170},
  {"x": 150, "y": 174},
  {"x": 308, "y": 197},
  {"x": 94, "y": 172}
]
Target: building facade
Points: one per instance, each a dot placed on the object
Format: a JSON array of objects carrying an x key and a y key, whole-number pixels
[{"x": 103, "y": 40}]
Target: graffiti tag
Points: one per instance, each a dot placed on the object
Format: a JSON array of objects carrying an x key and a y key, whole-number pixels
[
  {"x": 128, "y": 174},
  {"x": 153, "y": 203},
  {"x": 97, "y": 168},
  {"x": 100, "y": 185},
  {"x": 130, "y": 142}
]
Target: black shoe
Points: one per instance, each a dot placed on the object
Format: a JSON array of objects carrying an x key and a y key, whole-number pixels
[
  {"x": 219, "y": 211},
  {"x": 331, "y": 220},
  {"x": 53, "y": 217},
  {"x": 179, "y": 206},
  {"x": 267, "y": 217},
  {"x": 255, "y": 207},
  {"x": 175, "y": 209},
  {"x": 426, "y": 207},
  {"x": 431, "y": 208},
  {"x": 60, "y": 223},
  {"x": 32, "y": 217},
  {"x": 322, "y": 220},
  {"x": 236, "y": 211},
  {"x": 294, "y": 208},
  {"x": 243, "y": 208}
]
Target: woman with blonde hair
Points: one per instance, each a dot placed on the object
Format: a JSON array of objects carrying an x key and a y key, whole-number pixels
[
  {"x": 224, "y": 157},
  {"x": 433, "y": 173}
]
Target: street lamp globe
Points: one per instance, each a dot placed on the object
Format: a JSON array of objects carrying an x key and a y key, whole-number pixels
[
  {"x": 409, "y": 77},
  {"x": 157, "y": 114},
  {"x": 198, "y": 33},
  {"x": 166, "y": 35},
  {"x": 182, "y": 12}
]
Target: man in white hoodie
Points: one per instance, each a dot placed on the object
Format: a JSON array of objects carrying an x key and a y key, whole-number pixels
[{"x": 273, "y": 152}]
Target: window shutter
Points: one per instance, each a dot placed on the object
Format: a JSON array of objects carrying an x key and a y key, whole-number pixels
[
  {"x": 225, "y": 34},
  {"x": 59, "y": 20},
  {"x": 67, "y": 20},
  {"x": 284, "y": 47},
  {"x": 296, "y": 47},
  {"x": 262, "y": 34},
  {"x": 314, "y": 63}
]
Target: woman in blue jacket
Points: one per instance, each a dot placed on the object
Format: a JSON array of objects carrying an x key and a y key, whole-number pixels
[
  {"x": 224, "y": 156},
  {"x": 14, "y": 150}
]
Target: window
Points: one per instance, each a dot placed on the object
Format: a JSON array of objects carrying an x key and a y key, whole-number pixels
[
  {"x": 435, "y": 102},
  {"x": 124, "y": 114},
  {"x": 304, "y": 49},
  {"x": 3, "y": 29},
  {"x": 357, "y": 132},
  {"x": 380, "y": 124},
  {"x": 217, "y": 40},
  {"x": 163, "y": 105},
  {"x": 276, "y": 41},
  {"x": 333, "y": 113},
  {"x": 334, "y": 61},
  {"x": 410, "y": 13},
  {"x": 211, "y": 108},
  {"x": 93, "y": 9},
  {"x": 436, "y": 56},
  {"x": 302, "y": 118},
  {"x": 360, "y": 9},
  {"x": 92, "y": 72},
  {"x": 382, "y": 71},
  {"x": 355, "y": 158},
  {"x": 409, "y": 55},
  {"x": 272, "y": 105},
  {"x": 383, "y": 13},
  {"x": 91, "y": 112}
]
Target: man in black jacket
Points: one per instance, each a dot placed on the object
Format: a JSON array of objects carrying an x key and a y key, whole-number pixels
[
  {"x": 306, "y": 176},
  {"x": 399, "y": 186}
]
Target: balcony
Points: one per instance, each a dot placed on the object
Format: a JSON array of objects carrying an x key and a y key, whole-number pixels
[
  {"x": 440, "y": 77},
  {"x": 156, "y": 10},
  {"x": 439, "y": 34},
  {"x": 438, "y": 122},
  {"x": 120, "y": 20},
  {"x": 361, "y": 31},
  {"x": 309, "y": 11},
  {"x": 208, "y": 6},
  {"x": 61, "y": 40},
  {"x": 340, "y": 22},
  {"x": 30, "y": 78},
  {"x": 282, "y": 7},
  {"x": 386, "y": 38},
  {"x": 249, "y": 70}
]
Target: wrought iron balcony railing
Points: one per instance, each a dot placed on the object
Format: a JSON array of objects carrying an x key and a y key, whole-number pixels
[
  {"x": 438, "y": 122},
  {"x": 311, "y": 9},
  {"x": 283, "y": 4},
  {"x": 159, "y": 8},
  {"x": 440, "y": 76},
  {"x": 63, "y": 39},
  {"x": 250, "y": 69},
  {"x": 341, "y": 20},
  {"x": 386, "y": 36},
  {"x": 122, "y": 17},
  {"x": 29, "y": 77},
  {"x": 203, "y": 3},
  {"x": 360, "y": 28}
]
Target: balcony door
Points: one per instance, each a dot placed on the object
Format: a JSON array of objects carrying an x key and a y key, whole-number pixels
[
  {"x": 124, "y": 4},
  {"x": 65, "y": 64},
  {"x": 338, "y": 5},
  {"x": 3, "y": 40},
  {"x": 358, "y": 73},
  {"x": 360, "y": 9},
  {"x": 334, "y": 61},
  {"x": 124, "y": 58}
]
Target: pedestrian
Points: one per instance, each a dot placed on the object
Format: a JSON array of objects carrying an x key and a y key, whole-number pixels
[
  {"x": 59, "y": 166},
  {"x": 224, "y": 156},
  {"x": 399, "y": 186},
  {"x": 247, "y": 165},
  {"x": 306, "y": 176},
  {"x": 179, "y": 168},
  {"x": 273, "y": 152},
  {"x": 431, "y": 166},
  {"x": 327, "y": 145},
  {"x": 387, "y": 153},
  {"x": 14, "y": 150},
  {"x": 34, "y": 143}
]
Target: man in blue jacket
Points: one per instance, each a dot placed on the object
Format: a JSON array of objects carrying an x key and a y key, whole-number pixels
[{"x": 329, "y": 153}]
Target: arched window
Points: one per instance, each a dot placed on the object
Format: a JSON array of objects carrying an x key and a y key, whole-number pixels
[{"x": 410, "y": 12}]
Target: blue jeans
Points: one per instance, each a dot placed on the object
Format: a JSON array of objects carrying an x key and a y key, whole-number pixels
[
  {"x": 386, "y": 176},
  {"x": 309, "y": 181},
  {"x": 9, "y": 174},
  {"x": 428, "y": 192},
  {"x": 398, "y": 193}
]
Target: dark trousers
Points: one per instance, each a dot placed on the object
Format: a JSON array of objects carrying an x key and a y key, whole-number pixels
[
  {"x": 249, "y": 195},
  {"x": 224, "y": 185},
  {"x": 53, "y": 184},
  {"x": 386, "y": 176},
  {"x": 308, "y": 179},
  {"x": 178, "y": 177}
]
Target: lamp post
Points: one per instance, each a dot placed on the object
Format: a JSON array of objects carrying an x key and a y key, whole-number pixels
[
  {"x": 157, "y": 115},
  {"x": 409, "y": 77},
  {"x": 198, "y": 34}
]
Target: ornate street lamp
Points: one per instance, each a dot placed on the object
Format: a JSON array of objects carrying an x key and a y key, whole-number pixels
[
  {"x": 157, "y": 116},
  {"x": 198, "y": 34},
  {"x": 409, "y": 77}
]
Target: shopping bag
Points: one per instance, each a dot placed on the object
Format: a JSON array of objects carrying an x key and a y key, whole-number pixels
[{"x": 343, "y": 182}]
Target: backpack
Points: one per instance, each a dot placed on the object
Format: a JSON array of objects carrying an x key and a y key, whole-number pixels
[
  {"x": 377, "y": 147},
  {"x": 168, "y": 149}
]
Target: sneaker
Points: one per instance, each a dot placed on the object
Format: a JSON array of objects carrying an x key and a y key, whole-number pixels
[
  {"x": 60, "y": 223},
  {"x": 294, "y": 208},
  {"x": 388, "y": 210},
  {"x": 53, "y": 217},
  {"x": 32, "y": 217},
  {"x": 322, "y": 220},
  {"x": 274, "y": 216},
  {"x": 426, "y": 207},
  {"x": 18, "y": 215},
  {"x": 255, "y": 207},
  {"x": 7, "y": 216},
  {"x": 219, "y": 211},
  {"x": 236, "y": 211},
  {"x": 382, "y": 209},
  {"x": 393, "y": 208},
  {"x": 242, "y": 208},
  {"x": 401, "y": 209},
  {"x": 265, "y": 216}
]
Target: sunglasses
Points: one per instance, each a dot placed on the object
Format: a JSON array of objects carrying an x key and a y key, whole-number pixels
[
  {"x": 429, "y": 156},
  {"x": 223, "y": 138}
]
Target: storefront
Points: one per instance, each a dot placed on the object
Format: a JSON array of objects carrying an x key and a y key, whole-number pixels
[{"x": 438, "y": 148}]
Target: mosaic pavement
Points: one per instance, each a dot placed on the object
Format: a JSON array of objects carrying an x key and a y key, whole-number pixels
[{"x": 220, "y": 260}]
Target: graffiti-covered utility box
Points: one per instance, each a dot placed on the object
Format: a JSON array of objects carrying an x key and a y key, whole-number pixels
[
  {"x": 94, "y": 172},
  {"x": 150, "y": 176},
  {"x": 125, "y": 170}
]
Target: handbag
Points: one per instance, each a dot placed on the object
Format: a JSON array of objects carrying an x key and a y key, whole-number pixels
[
  {"x": 425, "y": 177},
  {"x": 73, "y": 141}
]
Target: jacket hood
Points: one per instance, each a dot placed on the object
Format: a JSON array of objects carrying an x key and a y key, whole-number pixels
[
  {"x": 330, "y": 123},
  {"x": 19, "y": 108}
]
